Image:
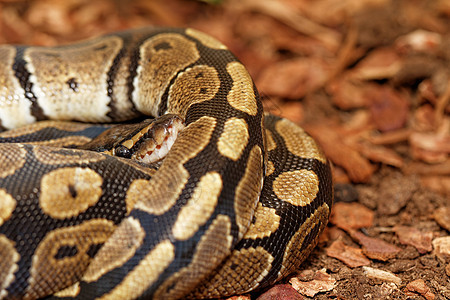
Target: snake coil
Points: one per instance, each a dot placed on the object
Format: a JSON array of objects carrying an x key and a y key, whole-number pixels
[{"x": 236, "y": 204}]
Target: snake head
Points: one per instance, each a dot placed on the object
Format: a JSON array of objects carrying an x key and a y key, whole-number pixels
[{"x": 148, "y": 141}]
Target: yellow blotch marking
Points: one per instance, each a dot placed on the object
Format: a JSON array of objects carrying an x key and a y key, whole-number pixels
[
  {"x": 161, "y": 58},
  {"x": 292, "y": 258},
  {"x": 71, "y": 291},
  {"x": 242, "y": 95},
  {"x": 8, "y": 264},
  {"x": 12, "y": 158},
  {"x": 298, "y": 187},
  {"x": 205, "y": 39},
  {"x": 134, "y": 192},
  {"x": 298, "y": 141},
  {"x": 52, "y": 270},
  {"x": 67, "y": 192},
  {"x": 270, "y": 168},
  {"x": 242, "y": 271},
  {"x": 7, "y": 206},
  {"x": 166, "y": 185},
  {"x": 145, "y": 273},
  {"x": 213, "y": 246},
  {"x": 266, "y": 223},
  {"x": 194, "y": 85},
  {"x": 270, "y": 142},
  {"x": 117, "y": 250},
  {"x": 248, "y": 190},
  {"x": 199, "y": 207},
  {"x": 70, "y": 83},
  {"x": 233, "y": 139}
]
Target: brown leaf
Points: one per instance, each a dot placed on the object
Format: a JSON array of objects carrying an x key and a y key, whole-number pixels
[
  {"x": 281, "y": 292},
  {"x": 352, "y": 257},
  {"x": 375, "y": 248},
  {"x": 350, "y": 216},
  {"x": 412, "y": 236},
  {"x": 322, "y": 282}
]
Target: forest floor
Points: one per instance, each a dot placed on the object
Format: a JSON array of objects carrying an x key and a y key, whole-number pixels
[{"x": 368, "y": 79}]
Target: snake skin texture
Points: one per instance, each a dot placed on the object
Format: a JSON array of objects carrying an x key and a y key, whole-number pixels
[{"x": 236, "y": 204}]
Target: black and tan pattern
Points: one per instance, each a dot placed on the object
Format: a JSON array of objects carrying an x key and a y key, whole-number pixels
[{"x": 236, "y": 204}]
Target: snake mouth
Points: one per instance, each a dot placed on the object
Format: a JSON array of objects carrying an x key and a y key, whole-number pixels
[{"x": 157, "y": 142}]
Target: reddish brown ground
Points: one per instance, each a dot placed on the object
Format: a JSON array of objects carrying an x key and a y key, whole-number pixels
[{"x": 369, "y": 79}]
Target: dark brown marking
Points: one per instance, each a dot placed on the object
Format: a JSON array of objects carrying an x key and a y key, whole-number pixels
[
  {"x": 23, "y": 75},
  {"x": 73, "y": 84}
]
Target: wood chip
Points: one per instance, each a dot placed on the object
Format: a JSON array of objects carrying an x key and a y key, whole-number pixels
[
  {"x": 292, "y": 78},
  {"x": 391, "y": 137},
  {"x": 356, "y": 166},
  {"x": 380, "y": 154},
  {"x": 347, "y": 94},
  {"x": 412, "y": 236},
  {"x": 381, "y": 63},
  {"x": 381, "y": 275},
  {"x": 322, "y": 282},
  {"x": 419, "y": 286},
  {"x": 241, "y": 297},
  {"x": 442, "y": 217},
  {"x": 375, "y": 248},
  {"x": 350, "y": 216},
  {"x": 389, "y": 108},
  {"x": 441, "y": 247},
  {"x": 430, "y": 147},
  {"x": 439, "y": 184},
  {"x": 419, "y": 41},
  {"x": 351, "y": 256},
  {"x": 281, "y": 292},
  {"x": 395, "y": 193}
]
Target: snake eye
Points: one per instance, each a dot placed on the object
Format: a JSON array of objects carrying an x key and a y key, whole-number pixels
[{"x": 122, "y": 151}]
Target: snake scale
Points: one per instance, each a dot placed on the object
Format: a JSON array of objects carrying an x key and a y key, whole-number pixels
[{"x": 236, "y": 204}]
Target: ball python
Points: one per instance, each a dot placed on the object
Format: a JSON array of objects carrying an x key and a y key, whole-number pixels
[{"x": 107, "y": 211}]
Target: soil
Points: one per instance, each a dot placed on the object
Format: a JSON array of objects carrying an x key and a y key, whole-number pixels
[{"x": 369, "y": 79}]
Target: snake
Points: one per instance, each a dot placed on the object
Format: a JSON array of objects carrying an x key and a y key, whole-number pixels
[{"x": 141, "y": 165}]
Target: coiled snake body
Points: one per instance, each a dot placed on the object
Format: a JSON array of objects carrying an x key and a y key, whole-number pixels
[{"x": 236, "y": 204}]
